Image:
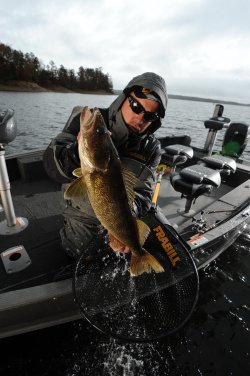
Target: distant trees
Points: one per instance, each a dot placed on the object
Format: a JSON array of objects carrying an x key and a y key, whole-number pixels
[{"x": 15, "y": 65}]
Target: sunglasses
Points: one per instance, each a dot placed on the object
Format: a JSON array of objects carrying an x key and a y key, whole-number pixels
[{"x": 137, "y": 108}]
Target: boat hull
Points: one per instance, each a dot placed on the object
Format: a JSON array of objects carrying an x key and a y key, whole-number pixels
[{"x": 41, "y": 295}]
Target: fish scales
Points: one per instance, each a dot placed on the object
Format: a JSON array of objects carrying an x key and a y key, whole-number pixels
[{"x": 109, "y": 201}]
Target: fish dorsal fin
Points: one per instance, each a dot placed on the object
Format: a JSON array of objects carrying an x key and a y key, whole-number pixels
[
  {"x": 77, "y": 172},
  {"x": 130, "y": 181},
  {"x": 76, "y": 189},
  {"x": 143, "y": 231}
]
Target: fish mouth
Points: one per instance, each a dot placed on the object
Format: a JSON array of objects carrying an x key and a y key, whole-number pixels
[
  {"x": 92, "y": 121},
  {"x": 93, "y": 142},
  {"x": 89, "y": 118}
]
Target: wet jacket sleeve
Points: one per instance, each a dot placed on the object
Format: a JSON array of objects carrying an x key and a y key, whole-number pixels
[
  {"x": 145, "y": 188},
  {"x": 61, "y": 156}
]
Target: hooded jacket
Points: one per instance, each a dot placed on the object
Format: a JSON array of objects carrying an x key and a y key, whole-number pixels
[{"x": 141, "y": 153}]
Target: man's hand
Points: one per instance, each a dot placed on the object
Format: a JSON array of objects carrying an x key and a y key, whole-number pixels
[{"x": 117, "y": 246}]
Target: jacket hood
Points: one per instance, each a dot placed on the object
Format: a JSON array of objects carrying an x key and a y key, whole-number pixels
[
  {"x": 155, "y": 83},
  {"x": 151, "y": 81}
]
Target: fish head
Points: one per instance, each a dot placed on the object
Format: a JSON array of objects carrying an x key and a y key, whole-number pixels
[{"x": 94, "y": 140}]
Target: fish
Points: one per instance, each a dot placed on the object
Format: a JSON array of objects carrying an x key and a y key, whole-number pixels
[{"x": 109, "y": 188}]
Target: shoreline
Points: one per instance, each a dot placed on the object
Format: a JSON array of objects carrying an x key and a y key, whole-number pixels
[{"x": 25, "y": 86}]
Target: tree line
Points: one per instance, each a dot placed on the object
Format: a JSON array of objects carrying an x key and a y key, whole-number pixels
[{"x": 18, "y": 66}]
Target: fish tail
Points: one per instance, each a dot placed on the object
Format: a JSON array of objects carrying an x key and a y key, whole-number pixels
[{"x": 144, "y": 264}]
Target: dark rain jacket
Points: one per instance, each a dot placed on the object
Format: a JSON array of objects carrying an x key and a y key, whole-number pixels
[{"x": 140, "y": 153}]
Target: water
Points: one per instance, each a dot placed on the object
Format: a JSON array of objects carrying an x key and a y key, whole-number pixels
[
  {"x": 40, "y": 116},
  {"x": 215, "y": 341}
]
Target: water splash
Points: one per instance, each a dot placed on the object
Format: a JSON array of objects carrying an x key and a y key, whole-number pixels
[{"x": 130, "y": 359}]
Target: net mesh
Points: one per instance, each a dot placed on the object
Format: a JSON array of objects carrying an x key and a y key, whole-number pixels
[{"x": 140, "y": 308}]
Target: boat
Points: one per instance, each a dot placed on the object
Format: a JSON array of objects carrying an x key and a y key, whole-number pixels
[{"x": 205, "y": 195}]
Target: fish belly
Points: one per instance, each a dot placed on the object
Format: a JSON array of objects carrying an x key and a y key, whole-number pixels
[{"x": 109, "y": 202}]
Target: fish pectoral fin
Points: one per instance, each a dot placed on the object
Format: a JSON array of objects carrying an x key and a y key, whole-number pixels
[
  {"x": 143, "y": 231},
  {"x": 76, "y": 189},
  {"x": 77, "y": 172},
  {"x": 144, "y": 264}
]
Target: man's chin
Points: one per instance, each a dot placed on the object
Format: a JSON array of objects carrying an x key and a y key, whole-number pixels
[{"x": 134, "y": 128}]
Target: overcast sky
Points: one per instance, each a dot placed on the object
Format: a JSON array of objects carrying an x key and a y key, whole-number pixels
[{"x": 200, "y": 47}]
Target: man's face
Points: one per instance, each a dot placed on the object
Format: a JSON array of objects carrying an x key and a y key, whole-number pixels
[{"x": 139, "y": 122}]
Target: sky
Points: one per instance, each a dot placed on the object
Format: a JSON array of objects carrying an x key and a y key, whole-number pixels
[{"x": 200, "y": 47}]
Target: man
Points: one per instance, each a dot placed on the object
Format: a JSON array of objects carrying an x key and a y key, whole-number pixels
[{"x": 132, "y": 119}]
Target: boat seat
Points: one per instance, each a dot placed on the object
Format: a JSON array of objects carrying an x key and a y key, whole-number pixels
[
  {"x": 174, "y": 155},
  {"x": 194, "y": 181},
  {"x": 224, "y": 165}
]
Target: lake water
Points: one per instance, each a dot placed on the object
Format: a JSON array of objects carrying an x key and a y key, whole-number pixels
[
  {"x": 215, "y": 341},
  {"x": 40, "y": 116}
]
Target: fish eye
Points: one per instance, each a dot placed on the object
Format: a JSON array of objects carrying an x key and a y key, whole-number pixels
[{"x": 100, "y": 130}]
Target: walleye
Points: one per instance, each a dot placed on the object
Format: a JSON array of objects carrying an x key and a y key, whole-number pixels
[{"x": 110, "y": 190}]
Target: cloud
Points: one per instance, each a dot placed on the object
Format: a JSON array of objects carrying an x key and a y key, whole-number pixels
[{"x": 199, "y": 46}]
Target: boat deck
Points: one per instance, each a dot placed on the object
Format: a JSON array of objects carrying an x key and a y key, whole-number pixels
[
  {"x": 41, "y": 203},
  {"x": 172, "y": 203},
  {"x": 41, "y": 295}
]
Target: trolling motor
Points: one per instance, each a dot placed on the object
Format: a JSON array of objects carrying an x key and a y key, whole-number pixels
[{"x": 8, "y": 131}]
